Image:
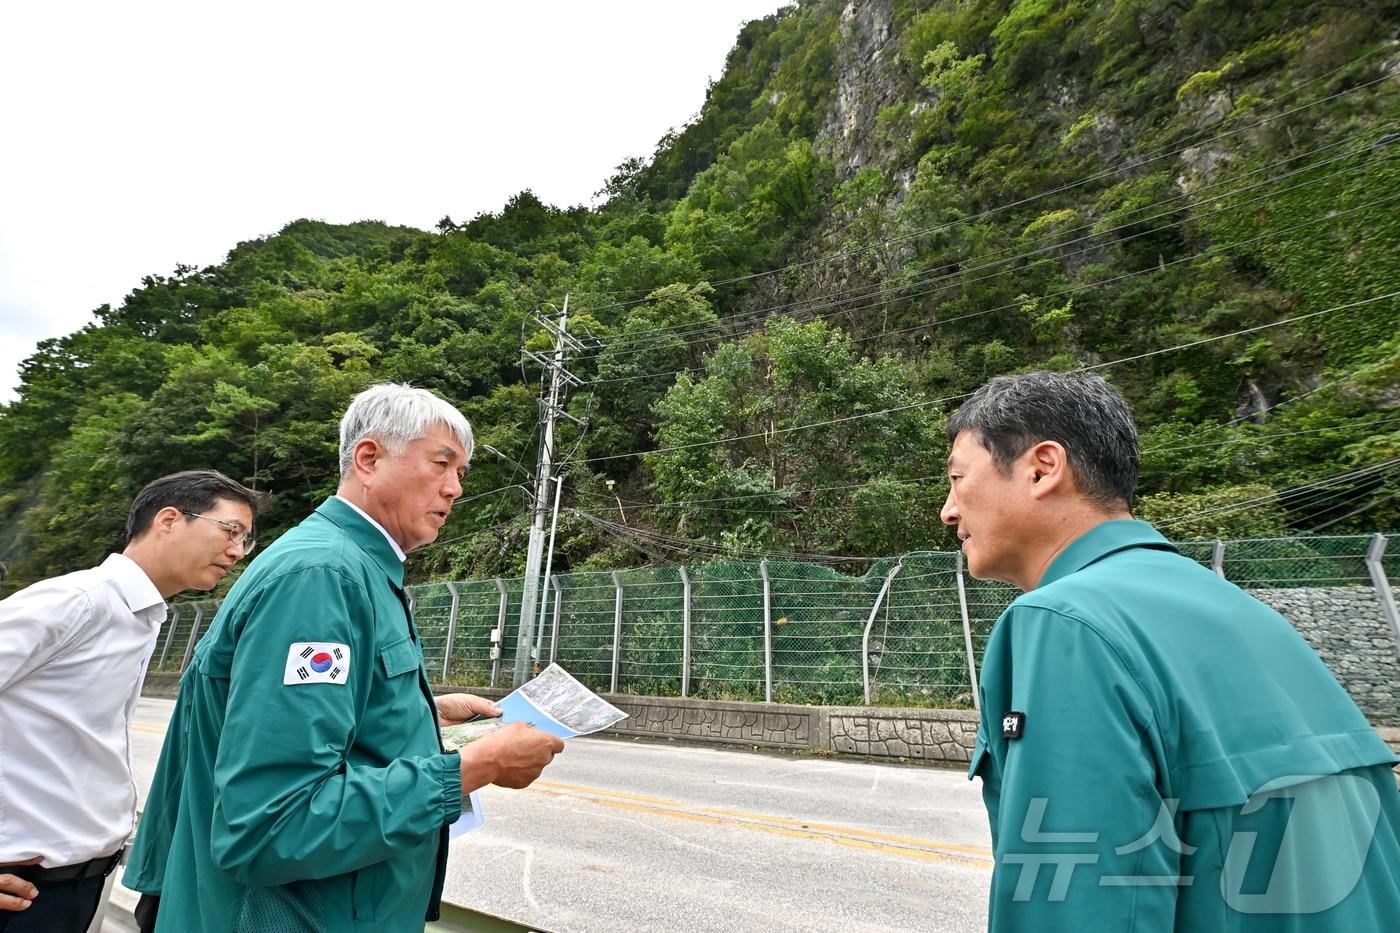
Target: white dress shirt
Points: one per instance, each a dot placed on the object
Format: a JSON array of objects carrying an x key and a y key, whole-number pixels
[
  {"x": 73, "y": 653},
  {"x": 388, "y": 537}
]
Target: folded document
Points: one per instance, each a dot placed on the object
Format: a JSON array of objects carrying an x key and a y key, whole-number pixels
[{"x": 553, "y": 702}]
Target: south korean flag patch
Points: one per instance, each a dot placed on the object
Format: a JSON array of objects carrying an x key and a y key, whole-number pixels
[{"x": 317, "y": 662}]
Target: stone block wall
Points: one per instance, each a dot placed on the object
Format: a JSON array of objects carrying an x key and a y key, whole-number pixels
[
  {"x": 767, "y": 725},
  {"x": 1348, "y": 629},
  {"x": 942, "y": 735},
  {"x": 934, "y": 735}
]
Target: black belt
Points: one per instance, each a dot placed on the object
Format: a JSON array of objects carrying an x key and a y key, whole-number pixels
[{"x": 93, "y": 868}]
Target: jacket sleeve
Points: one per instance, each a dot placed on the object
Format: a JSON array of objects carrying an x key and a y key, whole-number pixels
[
  {"x": 147, "y": 858},
  {"x": 288, "y": 806},
  {"x": 1074, "y": 802}
]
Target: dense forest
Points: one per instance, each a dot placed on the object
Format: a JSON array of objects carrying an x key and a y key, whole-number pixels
[{"x": 879, "y": 206}]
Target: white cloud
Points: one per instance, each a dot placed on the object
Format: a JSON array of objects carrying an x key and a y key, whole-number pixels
[{"x": 144, "y": 135}]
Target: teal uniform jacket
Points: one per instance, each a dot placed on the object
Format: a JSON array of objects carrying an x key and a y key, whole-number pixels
[
  {"x": 298, "y": 791},
  {"x": 1160, "y": 751}
]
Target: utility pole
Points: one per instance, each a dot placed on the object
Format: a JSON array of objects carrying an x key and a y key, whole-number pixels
[{"x": 551, "y": 408}]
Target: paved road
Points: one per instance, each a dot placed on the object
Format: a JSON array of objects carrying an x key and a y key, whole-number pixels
[{"x": 622, "y": 835}]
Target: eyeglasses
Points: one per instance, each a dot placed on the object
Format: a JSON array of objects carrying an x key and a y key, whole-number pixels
[{"x": 235, "y": 531}]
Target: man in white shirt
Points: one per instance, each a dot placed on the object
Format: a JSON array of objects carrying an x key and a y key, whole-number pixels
[{"x": 73, "y": 654}]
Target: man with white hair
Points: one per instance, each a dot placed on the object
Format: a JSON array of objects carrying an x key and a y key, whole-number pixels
[{"x": 303, "y": 785}]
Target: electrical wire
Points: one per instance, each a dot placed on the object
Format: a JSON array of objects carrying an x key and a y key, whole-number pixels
[
  {"x": 927, "y": 402},
  {"x": 1269, "y": 438},
  {"x": 1023, "y": 300},
  {"x": 1355, "y": 512},
  {"x": 1055, "y": 243},
  {"x": 616, "y": 349},
  {"x": 702, "y": 547},
  {"x": 1284, "y": 495},
  {"x": 1126, "y": 168}
]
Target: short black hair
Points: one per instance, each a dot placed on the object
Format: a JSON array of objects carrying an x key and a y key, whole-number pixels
[
  {"x": 1079, "y": 411},
  {"x": 189, "y": 491}
]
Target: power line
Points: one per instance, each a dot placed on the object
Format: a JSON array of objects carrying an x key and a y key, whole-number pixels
[
  {"x": 789, "y": 493},
  {"x": 491, "y": 492},
  {"x": 702, "y": 547},
  {"x": 1327, "y": 497},
  {"x": 1329, "y": 500},
  {"x": 1269, "y": 438},
  {"x": 648, "y": 340},
  {"x": 637, "y": 504},
  {"x": 1284, "y": 495},
  {"x": 1075, "y": 289},
  {"x": 488, "y": 530},
  {"x": 950, "y": 398},
  {"x": 707, "y": 330},
  {"x": 701, "y": 504},
  {"x": 1354, "y": 512},
  {"x": 1122, "y": 169}
]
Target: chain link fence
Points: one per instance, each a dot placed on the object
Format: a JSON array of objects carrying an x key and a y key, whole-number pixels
[{"x": 908, "y": 632}]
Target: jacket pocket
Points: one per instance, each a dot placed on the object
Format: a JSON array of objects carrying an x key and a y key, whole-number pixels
[
  {"x": 299, "y": 905},
  {"x": 364, "y": 893},
  {"x": 400, "y": 657}
]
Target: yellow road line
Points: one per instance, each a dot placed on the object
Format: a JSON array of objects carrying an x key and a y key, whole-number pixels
[
  {"x": 148, "y": 728},
  {"x": 882, "y": 848},
  {"x": 868, "y": 834},
  {"x": 766, "y": 823}
]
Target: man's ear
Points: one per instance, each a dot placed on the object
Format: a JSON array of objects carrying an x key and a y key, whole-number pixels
[
  {"x": 166, "y": 519},
  {"x": 366, "y": 455},
  {"x": 1047, "y": 466}
]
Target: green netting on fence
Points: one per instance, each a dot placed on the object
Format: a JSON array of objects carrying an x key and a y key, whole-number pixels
[
  {"x": 174, "y": 645},
  {"x": 825, "y": 638},
  {"x": 1294, "y": 562}
]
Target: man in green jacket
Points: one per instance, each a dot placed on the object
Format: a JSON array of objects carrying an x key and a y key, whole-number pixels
[
  {"x": 303, "y": 784},
  {"x": 1158, "y": 750}
]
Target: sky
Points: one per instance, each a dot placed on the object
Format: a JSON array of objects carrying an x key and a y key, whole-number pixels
[{"x": 142, "y": 135}]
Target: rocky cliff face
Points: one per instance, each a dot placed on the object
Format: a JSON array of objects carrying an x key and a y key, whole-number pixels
[{"x": 868, "y": 81}]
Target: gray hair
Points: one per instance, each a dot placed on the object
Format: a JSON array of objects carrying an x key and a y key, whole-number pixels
[
  {"x": 396, "y": 416},
  {"x": 1079, "y": 411}
]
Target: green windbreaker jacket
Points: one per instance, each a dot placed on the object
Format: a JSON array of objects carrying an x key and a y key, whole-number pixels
[
  {"x": 302, "y": 785},
  {"x": 1160, "y": 751}
]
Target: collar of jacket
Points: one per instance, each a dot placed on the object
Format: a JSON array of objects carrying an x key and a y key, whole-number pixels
[
  {"x": 366, "y": 536},
  {"x": 1099, "y": 542}
]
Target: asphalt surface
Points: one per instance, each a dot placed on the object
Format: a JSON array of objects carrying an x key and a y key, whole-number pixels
[{"x": 623, "y": 835}]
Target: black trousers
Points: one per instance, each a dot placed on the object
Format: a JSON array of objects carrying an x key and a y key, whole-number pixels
[
  {"x": 61, "y": 907},
  {"x": 146, "y": 909}
]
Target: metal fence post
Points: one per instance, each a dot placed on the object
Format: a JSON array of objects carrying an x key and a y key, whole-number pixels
[
  {"x": 558, "y": 601},
  {"x": 194, "y": 633},
  {"x": 967, "y": 634},
  {"x": 617, "y": 630},
  {"x": 767, "y": 632},
  {"x": 685, "y": 633},
  {"x": 451, "y": 628},
  {"x": 412, "y": 602},
  {"x": 1383, "y": 590},
  {"x": 172, "y": 623},
  {"x": 1217, "y": 558},
  {"x": 500, "y": 632},
  {"x": 869, "y": 624}
]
